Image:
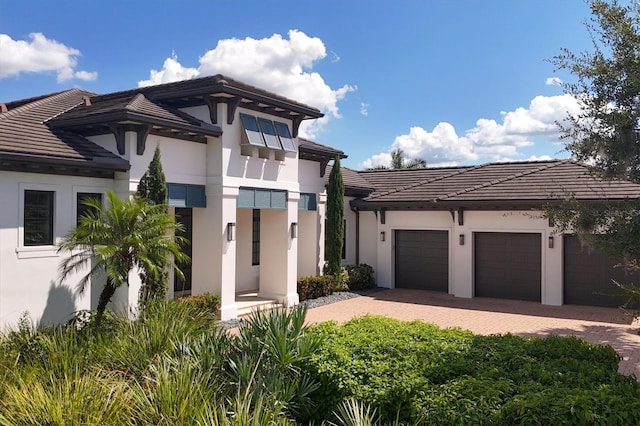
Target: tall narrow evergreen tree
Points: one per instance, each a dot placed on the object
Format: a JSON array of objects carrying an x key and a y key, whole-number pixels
[
  {"x": 335, "y": 220},
  {"x": 153, "y": 189},
  {"x": 153, "y": 186}
]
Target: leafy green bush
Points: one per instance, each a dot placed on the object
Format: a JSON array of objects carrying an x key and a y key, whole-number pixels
[
  {"x": 206, "y": 302},
  {"x": 360, "y": 276},
  {"x": 314, "y": 287},
  {"x": 418, "y": 373}
]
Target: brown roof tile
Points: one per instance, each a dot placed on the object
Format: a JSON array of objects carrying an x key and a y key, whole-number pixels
[
  {"x": 23, "y": 132},
  {"x": 518, "y": 182},
  {"x": 354, "y": 184}
]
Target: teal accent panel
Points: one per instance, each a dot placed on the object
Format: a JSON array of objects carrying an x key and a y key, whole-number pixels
[
  {"x": 308, "y": 202},
  {"x": 261, "y": 198},
  {"x": 246, "y": 198},
  {"x": 278, "y": 199},
  {"x": 185, "y": 195}
]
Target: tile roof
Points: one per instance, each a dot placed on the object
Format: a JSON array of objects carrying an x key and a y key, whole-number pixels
[
  {"x": 354, "y": 184},
  {"x": 133, "y": 106},
  {"x": 518, "y": 183},
  {"x": 311, "y": 147},
  {"x": 25, "y": 134}
]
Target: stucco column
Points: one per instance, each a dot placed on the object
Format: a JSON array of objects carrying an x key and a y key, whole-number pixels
[
  {"x": 278, "y": 253},
  {"x": 214, "y": 256}
]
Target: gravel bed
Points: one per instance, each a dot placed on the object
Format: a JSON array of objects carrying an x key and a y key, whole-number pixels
[{"x": 315, "y": 303}]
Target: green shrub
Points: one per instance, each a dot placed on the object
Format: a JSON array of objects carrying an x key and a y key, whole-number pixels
[
  {"x": 314, "y": 287},
  {"x": 360, "y": 276},
  {"x": 417, "y": 373},
  {"x": 206, "y": 302}
]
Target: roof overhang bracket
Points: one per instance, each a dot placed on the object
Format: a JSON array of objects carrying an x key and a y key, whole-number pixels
[
  {"x": 323, "y": 167},
  {"x": 118, "y": 131},
  {"x": 453, "y": 215},
  {"x": 460, "y": 216},
  {"x": 296, "y": 121},
  {"x": 383, "y": 216},
  {"x": 212, "y": 104},
  {"x": 143, "y": 132},
  {"x": 232, "y": 105}
]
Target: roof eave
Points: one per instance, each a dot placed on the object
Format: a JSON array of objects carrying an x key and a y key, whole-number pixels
[{"x": 125, "y": 115}]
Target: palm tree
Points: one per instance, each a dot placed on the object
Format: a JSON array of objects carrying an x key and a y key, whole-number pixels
[
  {"x": 116, "y": 239},
  {"x": 398, "y": 161}
]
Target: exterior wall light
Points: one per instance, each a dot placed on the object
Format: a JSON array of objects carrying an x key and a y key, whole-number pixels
[
  {"x": 294, "y": 230},
  {"x": 461, "y": 239},
  {"x": 551, "y": 241},
  {"x": 382, "y": 236},
  {"x": 231, "y": 231}
]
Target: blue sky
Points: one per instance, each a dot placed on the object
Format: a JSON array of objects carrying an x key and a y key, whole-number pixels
[{"x": 450, "y": 81}]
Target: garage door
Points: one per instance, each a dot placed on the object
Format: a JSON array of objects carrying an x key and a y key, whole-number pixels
[
  {"x": 422, "y": 260},
  {"x": 508, "y": 265},
  {"x": 588, "y": 275}
]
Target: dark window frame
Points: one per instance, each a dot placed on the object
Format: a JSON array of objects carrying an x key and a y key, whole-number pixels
[
  {"x": 81, "y": 208},
  {"x": 255, "y": 237},
  {"x": 38, "y": 217}
]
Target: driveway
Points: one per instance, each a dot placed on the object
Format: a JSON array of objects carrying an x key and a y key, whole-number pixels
[{"x": 497, "y": 316}]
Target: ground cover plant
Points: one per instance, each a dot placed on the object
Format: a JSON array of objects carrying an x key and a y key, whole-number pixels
[{"x": 174, "y": 365}]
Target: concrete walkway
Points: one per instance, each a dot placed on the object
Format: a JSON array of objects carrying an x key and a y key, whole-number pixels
[{"x": 497, "y": 316}]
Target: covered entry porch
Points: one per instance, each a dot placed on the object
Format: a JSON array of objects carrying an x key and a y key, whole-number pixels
[{"x": 246, "y": 242}]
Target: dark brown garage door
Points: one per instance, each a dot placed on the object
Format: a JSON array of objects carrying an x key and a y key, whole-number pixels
[
  {"x": 588, "y": 275},
  {"x": 422, "y": 260},
  {"x": 507, "y": 265}
]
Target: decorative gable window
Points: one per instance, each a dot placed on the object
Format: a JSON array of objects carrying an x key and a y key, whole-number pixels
[{"x": 267, "y": 136}]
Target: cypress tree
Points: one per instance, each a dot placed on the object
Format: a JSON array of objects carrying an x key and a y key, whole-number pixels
[
  {"x": 153, "y": 189},
  {"x": 335, "y": 220},
  {"x": 153, "y": 186}
]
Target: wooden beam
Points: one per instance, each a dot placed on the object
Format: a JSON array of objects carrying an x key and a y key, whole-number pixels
[
  {"x": 296, "y": 121},
  {"x": 232, "y": 105},
  {"x": 323, "y": 167},
  {"x": 460, "y": 216},
  {"x": 142, "y": 132},
  {"x": 118, "y": 131},
  {"x": 212, "y": 104},
  {"x": 383, "y": 216}
]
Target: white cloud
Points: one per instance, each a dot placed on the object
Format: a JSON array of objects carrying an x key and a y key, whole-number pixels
[
  {"x": 553, "y": 81},
  {"x": 364, "y": 109},
  {"x": 40, "y": 55},
  {"x": 172, "y": 70},
  {"x": 275, "y": 63},
  {"x": 489, "y": 140},
  {"x": 334, "y": 57}
]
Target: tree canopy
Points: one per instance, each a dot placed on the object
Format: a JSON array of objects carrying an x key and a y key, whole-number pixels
[
  {"x": 335, "y": 220},
  {"x": 605, "y": 135},
  {"x": 113, "y": 240},
  {"x": 399, "y": 161}
]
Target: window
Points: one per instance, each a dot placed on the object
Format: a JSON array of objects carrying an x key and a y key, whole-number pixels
[
  {"x": 81, "y": 208},
  {"x": 38, "y": 218},
  {"x": 263, "y": 132},
  {"x": 285, "y": 137},
  {"x": 269, "y": 133},
  {"x": 255, "y": 238},
  {"x": 252, "y": 130}
]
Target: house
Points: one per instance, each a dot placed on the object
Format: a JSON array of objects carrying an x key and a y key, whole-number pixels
[
  {"x": 249, "y": 192},
  {"x": 251, "y": 196},
  {"x": 478, "y": 231}
]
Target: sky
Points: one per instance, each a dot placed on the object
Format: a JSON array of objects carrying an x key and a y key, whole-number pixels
[{"x": 454, "y": 82}]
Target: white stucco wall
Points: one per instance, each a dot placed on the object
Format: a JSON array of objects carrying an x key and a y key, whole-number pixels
[
  {"x": 247, "y": 275},
  {"x": 29, "y": 275},
  {"x": 381, "y": 254}
]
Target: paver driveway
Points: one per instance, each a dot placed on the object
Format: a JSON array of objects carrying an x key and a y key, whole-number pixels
[{"x": 492, "y": 316}]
